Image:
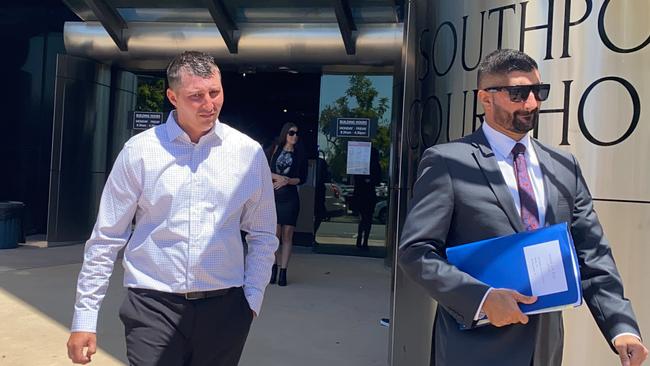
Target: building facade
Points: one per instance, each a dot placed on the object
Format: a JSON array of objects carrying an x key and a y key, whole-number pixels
[{"x": 595, "y": 55}]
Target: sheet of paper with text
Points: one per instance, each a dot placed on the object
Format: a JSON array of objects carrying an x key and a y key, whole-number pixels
[{"x": 545, "y": 269}]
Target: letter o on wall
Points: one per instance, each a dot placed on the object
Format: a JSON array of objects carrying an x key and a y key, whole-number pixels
[
  {"x": 413, "y": 124},
  {"x": 431, "y": 125},
  {"x": 636, "y": 114},
  {"x": 433, "y": 48}
]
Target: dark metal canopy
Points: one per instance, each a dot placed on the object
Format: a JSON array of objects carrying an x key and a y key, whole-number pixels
[
  {"x": 224, "y": 22},
  {"x": 346, "y": 24},
  {"x": 131, "y": 26},
  {"x": 110, "y": 20}
]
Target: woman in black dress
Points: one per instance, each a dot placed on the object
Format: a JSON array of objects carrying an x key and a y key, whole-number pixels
[{"x": 288, "y": 171}]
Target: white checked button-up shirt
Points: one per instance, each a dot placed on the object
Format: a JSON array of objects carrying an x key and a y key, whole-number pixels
[{"x": 190, "y": 202}]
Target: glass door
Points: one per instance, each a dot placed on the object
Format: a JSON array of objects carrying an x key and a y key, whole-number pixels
[{"x": 352, "y": 166}]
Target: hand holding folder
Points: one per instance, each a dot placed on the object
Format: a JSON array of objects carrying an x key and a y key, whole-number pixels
[
  {"x": 542, "y": 263},
  {"x": 501, "y": 307}
]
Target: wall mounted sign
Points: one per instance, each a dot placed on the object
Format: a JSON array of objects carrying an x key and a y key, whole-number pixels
[
  {"x": 142, "y": 120},
  {"x": 353, "y": 127}
]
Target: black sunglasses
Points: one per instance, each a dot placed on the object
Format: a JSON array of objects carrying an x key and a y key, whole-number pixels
[
  {"x": 520, "y": 93},
  {"x": 292, "y": 133}
]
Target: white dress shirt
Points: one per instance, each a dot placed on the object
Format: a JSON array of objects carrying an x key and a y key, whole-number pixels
[
  {"x": 190, "y": 202},
  {"x": 502, "y": 146}
]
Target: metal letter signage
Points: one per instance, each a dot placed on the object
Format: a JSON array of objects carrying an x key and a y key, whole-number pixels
[{"x": 594, "y": 54}]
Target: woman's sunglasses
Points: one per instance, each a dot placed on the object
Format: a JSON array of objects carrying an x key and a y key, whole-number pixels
[
  {"x": 292, "y": 133},
  {"x": 520, "y": 93}
]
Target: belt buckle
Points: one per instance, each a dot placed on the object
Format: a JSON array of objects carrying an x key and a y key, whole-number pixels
[{"x": 194, "y": 295}]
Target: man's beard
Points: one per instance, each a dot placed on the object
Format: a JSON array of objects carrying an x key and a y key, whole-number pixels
[{"x": 522, "y": 126}]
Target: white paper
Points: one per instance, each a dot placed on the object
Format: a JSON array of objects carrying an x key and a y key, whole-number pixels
[
  {"x": 545, "y": 269},
  {"x": 359, "y": 157}
]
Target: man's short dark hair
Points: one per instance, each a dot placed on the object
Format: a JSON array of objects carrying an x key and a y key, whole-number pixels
[
  {"x": 504, "y": 61},
  {"x": 194, "y": 62}
]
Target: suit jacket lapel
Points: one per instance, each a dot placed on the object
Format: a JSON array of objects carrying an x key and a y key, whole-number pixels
[
  {"x": 485, "y": 158},
  {"x": 548, "y": 171}
]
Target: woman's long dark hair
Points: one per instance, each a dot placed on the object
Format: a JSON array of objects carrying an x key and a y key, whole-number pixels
[{"x": 282, "y": 139}]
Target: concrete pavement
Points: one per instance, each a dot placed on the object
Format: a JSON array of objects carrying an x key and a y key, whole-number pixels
[{"x": 328, "y": 315}]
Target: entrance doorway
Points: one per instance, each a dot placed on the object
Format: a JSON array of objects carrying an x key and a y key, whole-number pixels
[
  {"x": 354, "y": 146},
  {"x": 258, "y": 104},
  {"x": 342, "y": 210}
]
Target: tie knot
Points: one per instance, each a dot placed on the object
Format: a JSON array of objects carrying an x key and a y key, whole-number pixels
[{"x": 518, "y": 149}]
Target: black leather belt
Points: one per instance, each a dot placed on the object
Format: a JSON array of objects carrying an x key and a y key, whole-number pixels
[
  {"x": 198, "y": 295},
  {"x": 195, "y": 295}
]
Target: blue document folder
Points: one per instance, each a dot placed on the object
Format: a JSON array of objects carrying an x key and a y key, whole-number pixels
[{"x": 542, "y": 262}]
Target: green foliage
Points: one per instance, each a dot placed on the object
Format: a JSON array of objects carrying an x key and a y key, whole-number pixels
[
  {"x": 151, "y": 95},
  {"x": 361, "y": 91},
  {"x": 382, "y": 142}
]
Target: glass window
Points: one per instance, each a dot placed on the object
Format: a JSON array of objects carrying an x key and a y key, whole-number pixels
[{"x": 352, "y": 170}]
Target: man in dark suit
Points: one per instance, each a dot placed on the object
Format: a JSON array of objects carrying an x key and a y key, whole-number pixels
[{"x": 499, "y": 181}]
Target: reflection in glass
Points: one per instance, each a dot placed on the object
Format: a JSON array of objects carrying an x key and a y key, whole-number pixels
[{"x": 354, "y": 207}]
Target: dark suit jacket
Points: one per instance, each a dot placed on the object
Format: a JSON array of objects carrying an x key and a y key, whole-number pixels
[{"x": 460, "y": 196}]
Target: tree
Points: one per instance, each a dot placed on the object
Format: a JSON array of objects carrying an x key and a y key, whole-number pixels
[
  {"x": 151, "y": 94},
  {"x": 364, "y": 94}
]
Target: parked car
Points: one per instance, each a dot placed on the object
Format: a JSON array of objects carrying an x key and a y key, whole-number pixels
[
  {"x": 380, "y": 215},
  {"x": 334, "y": 201},
  {"x": 382, "y": 190},
  {"x": 347, "y": 191}
]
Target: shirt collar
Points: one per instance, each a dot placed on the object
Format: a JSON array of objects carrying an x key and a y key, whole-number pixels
[
  {"x": 174, "y": 131},
  {"x": 502, "y": 144}
]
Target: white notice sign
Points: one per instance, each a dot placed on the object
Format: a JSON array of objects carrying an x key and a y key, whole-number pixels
[
  {"x": 545, "y": 269},
  {"x": 359, "y": 157}
]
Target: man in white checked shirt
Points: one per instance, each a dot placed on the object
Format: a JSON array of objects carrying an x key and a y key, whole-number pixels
[{"x": 192, "y": 184}]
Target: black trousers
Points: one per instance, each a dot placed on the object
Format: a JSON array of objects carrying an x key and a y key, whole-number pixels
[
  {"x": 366, "y": 207},
  {"x": 167, "y": 330}
]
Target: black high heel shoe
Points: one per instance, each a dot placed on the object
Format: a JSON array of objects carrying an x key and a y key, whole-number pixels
[
  {"x": 274, "y": 274},
  {"x": 283, "y": 277}
]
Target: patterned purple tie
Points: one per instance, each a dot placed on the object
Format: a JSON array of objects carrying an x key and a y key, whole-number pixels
[{"x": 526, "y": 194}]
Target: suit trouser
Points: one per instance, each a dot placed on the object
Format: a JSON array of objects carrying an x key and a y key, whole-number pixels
[
  {"x": 366, "y": 207},
  {"x": 166, "y": 329}
]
